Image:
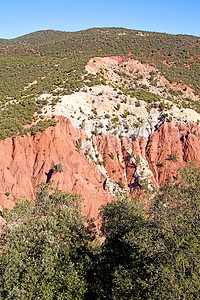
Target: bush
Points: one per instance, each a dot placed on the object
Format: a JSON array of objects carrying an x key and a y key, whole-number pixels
[
  {"x": 111, "y": 155},
  {"x": 57, "y": 168},
  {"x": 121, "y": 184},
  {"x": 174, "y": 156},
  {"x": 79, "y": 144}
]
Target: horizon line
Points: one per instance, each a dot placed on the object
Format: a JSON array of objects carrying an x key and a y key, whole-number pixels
[{"x": 103, "y": 27}]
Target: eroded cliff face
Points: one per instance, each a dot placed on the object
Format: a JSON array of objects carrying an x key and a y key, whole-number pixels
[
  {"x": 170, "y": 147},
  {"x": 97, "y": 167},
  {"x": 26, "y": 161}
]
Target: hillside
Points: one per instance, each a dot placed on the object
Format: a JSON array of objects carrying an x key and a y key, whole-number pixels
[
  {"x": 54, "y": 62},
  {"x": 121, "y": 88},
  {"x": 177, "y": 57},
  {"x": 106, "y": 81},
  {"x": 88, "y": 118}
]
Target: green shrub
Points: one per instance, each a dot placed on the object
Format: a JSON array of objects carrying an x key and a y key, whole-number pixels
[
  {"x": 121, "y": 184},
  {"x": 57, "y": 168},
  {"x": 174, "y": 156},
  {"x": 111, "y": 155},
  {"x": 79, "y": 144}
]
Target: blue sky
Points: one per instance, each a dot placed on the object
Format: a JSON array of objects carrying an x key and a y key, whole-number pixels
[{"x": 21, "y": 17}]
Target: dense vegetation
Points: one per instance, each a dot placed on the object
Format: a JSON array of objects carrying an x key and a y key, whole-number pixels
[{"x": 48, "y": 253}]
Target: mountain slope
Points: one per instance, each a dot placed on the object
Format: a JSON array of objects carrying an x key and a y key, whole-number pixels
[
  {"x": 177, "y": 57},
  {"x": 124, "y": 106}
]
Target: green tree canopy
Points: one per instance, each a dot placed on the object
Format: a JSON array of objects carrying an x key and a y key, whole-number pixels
[
  {"x": 44, "y": 254},
  {"x": 146, "y": 253},
  {"x": 154, "y": 254}
]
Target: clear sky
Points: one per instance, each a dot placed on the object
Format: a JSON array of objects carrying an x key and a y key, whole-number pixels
[{"x": 19, "y": 17}]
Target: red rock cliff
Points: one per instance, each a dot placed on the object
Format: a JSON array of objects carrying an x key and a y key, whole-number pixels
[
  {"x": 26, "y": 161},
  {"x": 170, "y": 147}
]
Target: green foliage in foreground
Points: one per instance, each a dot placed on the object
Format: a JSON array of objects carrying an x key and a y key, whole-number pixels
[
  {"x": 43, "y": 255},
  {"x": 156, "y": 257},
  {"x": 47, "y": 252}
]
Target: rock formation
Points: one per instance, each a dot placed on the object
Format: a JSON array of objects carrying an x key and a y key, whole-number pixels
[
  {"x": 95, "y": 168},
  {"x": 26, "y": 161}
]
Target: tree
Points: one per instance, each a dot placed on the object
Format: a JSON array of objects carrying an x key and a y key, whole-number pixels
[
  {"x": 143, "y": 253},
  {"x": 117, "y": 271},
  {"x": 154, "y": 253},
  {"x": 176, "y": 237},
  {"x": 45, "y": 248}
]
